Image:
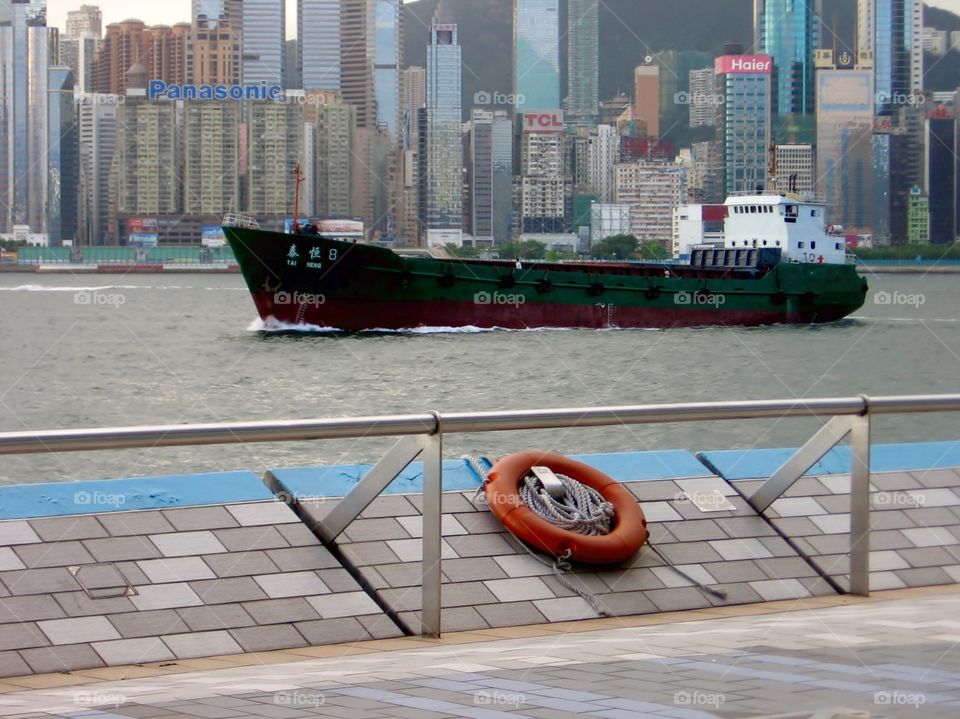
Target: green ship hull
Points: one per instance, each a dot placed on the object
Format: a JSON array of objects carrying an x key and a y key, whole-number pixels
[{"x": 317, "y": 281}]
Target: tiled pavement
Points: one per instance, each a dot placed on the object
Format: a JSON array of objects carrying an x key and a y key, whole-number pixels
[
  {"x": 894, "y": 655},
  {"x": 491, "y": 581},
  {"x": 914, "y": 522},
  {"x": 128, "y": 587}
]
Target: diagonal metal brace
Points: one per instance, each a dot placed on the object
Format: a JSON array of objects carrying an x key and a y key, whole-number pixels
[
  {"x": 369, "y": 488},
  {"x": 832, "y": 433}
]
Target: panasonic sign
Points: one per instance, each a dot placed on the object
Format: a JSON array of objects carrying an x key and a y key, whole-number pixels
[{"x": 159, "y": 90}]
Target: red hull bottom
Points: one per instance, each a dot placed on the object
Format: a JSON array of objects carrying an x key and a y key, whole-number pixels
[{"x": 357, "y": 315}]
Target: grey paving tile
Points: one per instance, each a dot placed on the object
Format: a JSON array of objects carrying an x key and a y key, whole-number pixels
[
  {"x": 518, "y": 589},
  {"x": 509, "y": 614},
  {"x": 798, "y": 506},
  {"x": 796, "y": 526},
  {"x": 181, "y": 544},
  {"x": 835, "y": 504},
  {"x": 367, "y": 553},
  {"x": 333, "y": 631},
  {"x": 472, "y": 569},
  {"x": 640, "y": 578},
  {"x": 252, "y": 514},
  {"x": 38, "y": 581},
  {"x": 190, "y": 519},
  {"x": 218, "y": 616},
  {"x": 482, "y": 545},
  {"x": 564, "y": 609},
  {"x": 47, "y": 660},
  {"x": 277, "y": 636},
  {"x": 377, "y": 529},
  {"x": 786, "y": 567},
  {"x": 653, "y": 490},
  {"x": 690, "y": 552},
  {"x": 277, "y": 611},
  {"x": 924, "y": 576},
  {"x": 746, "y": 548},
  {"x": 12, "y": 665},
  {"x": 78, "y": 604},
  {"x": 78, "y": 630},
  {"x": 244, "y": 539},
  {"x": 58, "y": 529},
  {"x": 222, "y": 591},
  {"x": 240, "y": 564},
  {"x": 296, "y": 559},
  {"x": 931, "y": 516},
  {"x": 380, "y": 626},
  {"x": 889, "y": 539},
  {"x": 22, "y": 636},
  {"x": 133, "y": 651},
  {"x": 9, "y": 560},
  {"x": 148, "y": 623},
  {"x": 347, "y": 604},
  {"x": 937, "y": 477},
  {"x": 675, "y": 599},
  {"x": 624, "y": 604},
  {"x": 118, "y": 549},
  {"x": 389, "y": 506},
  {"x": 889, "y": 481},
  {"x": 124, "y": 524},
  {"x": 297, "y": 535},
  {"x": 776, "y": 589},
  {"x": 17, "y": 532},
  {"x": 741, "y": 571},
  {"x": 479, "y": 522},
  {"x": 201, "y": 644},
  {"x": 931, "y": 556},
  {"x": 29, "y": 608},
  {"x": 131, "y": 572},
  {"x": 167, "y": 596},
  {"x": 291, "y": 584},
  {"x": 696, "y": 530},
  {"x": 454, "y": 619},
  {"x": 179, "y": 569},
  {"x": 407, "y": 574},
  {"x": 339, "y": 580},
  {"x": 890, "y": 520}
]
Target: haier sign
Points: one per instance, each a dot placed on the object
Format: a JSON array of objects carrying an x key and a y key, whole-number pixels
[{"x": 743, "y": 65}]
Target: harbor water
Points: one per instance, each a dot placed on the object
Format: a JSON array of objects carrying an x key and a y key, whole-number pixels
[{"x": 110, "y": 350}]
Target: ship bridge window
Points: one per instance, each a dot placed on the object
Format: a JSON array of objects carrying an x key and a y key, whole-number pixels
[
  {"x": 813, "y": 213},
  {"x": 836, "y": 246},
  {"x": 778, "y": 243},
  {"x": 800, "y": 245},
  {"x": 813, "y": 245}
]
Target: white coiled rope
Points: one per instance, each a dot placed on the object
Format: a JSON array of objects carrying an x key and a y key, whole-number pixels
[{"x": 582, "y": 510}]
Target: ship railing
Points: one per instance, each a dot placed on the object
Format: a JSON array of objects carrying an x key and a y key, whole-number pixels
[
  {"x": 421, "y": 436},
  {"x": 233, "y": 219}
]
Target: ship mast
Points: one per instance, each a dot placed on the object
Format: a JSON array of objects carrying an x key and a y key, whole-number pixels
[{"x": 298, "y": 180}]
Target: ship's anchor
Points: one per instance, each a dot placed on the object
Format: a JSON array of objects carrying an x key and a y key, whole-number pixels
[{"x": 268, "y": 289}]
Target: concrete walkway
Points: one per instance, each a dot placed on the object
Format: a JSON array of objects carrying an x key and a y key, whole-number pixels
[{"x": 895, "y": 654}]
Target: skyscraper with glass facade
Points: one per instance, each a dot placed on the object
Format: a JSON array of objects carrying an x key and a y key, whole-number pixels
[
  {"x": 318, "y": 46},
  {"x": 583, "y": 57},
  {"x": 788, "y": 31},
  {"x": 441, "y": 161},
  {"x": 892, "y": 31},
  {"x": 743, "y": 119},
  {"x": 263, "y": 31},
  {"x": 25, "y": 50},
  {"x": 536, "y": 54}
]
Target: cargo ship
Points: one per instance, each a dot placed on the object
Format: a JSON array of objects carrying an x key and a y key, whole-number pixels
[{"x": 777, "y": 264}]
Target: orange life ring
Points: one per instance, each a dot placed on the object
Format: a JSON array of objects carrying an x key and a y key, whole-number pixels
[{"x": 502, "y": 489}]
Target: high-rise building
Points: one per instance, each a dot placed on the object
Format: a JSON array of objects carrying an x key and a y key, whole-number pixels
[
  {"x": 652, "y": 189},
  {"x": 262, "y": 34},
  {"x": 318, "y": 47},
  {"x": 646, "y": 100},
  {"x": 675, "y": 69},
  {"x": 543, "y": 189},
  {"x": 491, "y": 177},
  {"x": 97, "y": 120},
  {"x": 845, "y": 175},
  {"x": 87, "y": 19},
  {"x": 213, "y": 11},
  {"x": 942, "y": 171},
  {"x": 334, "y": 124},
  {"x": 161, "y": 50},
  {"x": 25, "y": 55},
  {"x": 413, "y": 97},
  {"x": 275, "y": 145},
  {"x": 536, "y": 54},
  {"x": 603, "y": 152},
  {"x": 795, "y": 169},
  {"x": 61, "y": 210},
  {"x": 148, "y": 168},
  {"x": 441, "y": 155},
  {"x": 892, "y": 31},
  {"x": 583, "y": 58},
  {"x": 788, "y": 31},
  {"x": 702, "y": 98},
  {"x": 167, "y": 52},
  {"x": 918, "y": 217},
  {"x": 705, "y": 175},
  {"x": 211, "y": 152},
  {"x": 212, "y": 56},
  {"x": 743, "y": 120}
]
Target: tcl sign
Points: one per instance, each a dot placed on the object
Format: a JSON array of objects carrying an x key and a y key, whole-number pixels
[
  {"x": 744, "y": 65},
  {"x": 543, "y": 121}
]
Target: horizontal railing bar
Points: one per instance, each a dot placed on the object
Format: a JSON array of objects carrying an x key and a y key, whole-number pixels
[{"x": 78, "y": 440}]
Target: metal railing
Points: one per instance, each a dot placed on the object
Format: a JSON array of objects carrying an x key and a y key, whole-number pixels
[{"x": 422, "y": 436}]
